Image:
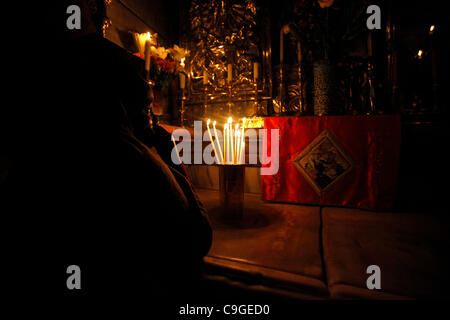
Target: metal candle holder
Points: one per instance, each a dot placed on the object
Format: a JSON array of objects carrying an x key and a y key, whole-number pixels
[
  {"x": 371, "y": 88},
  {"x": 182, "y": 109},
  {"x": 153, "y": 119},
  {"x": 258, "y": 110},
  {"x": 301, "y": 106},
  {"x": 205, "y": 105},
  {"x": 229, "y": 104},
  {"x": 231, "y": 187}
]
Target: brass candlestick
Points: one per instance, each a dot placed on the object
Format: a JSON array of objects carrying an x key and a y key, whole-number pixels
[
  {"x": 255, "y": 86},
  {"x": 282, "y": 107},
  {"x": 182, "y": 109},
  {"x": 205, "y": 103},
  {"x": 230, "y": 107},
  {"x": 371, "y": 88},
  {"x": 301, "y": 107},
  {"x": 153, "y": 120}
]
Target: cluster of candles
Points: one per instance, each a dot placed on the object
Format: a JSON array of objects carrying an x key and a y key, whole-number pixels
[{"x": 233, "y": 143}]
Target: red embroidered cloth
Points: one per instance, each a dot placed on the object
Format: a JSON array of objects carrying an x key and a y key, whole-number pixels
[{"x": 349, "y": 161}]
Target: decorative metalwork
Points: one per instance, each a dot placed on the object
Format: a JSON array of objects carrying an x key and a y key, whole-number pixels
[
  {"x": 106, "y": 20},
  {"x": 324, "y": 89},
  {"x": 356, "y": 89},
  {"x": 224, "y": 32},
  {"x": 290, "y": 97}
]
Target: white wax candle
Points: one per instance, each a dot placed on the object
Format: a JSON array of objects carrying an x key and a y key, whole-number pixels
[
  {"x": 218, "y": 142},
  {"x": 255, "y": 71},
  {"x": 230, "y": 72},
  {"x": 182, "y": 81},
  {"x": 147, "y": 55},
  {"x": 236, "y": 143},
  {"x": 225, "y": 143}
]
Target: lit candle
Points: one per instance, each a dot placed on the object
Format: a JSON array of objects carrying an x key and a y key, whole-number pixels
[
  {"x": 432, "y": 28},
  {"x": 225, "y": 142},
  {"x": 238, "y": 149},
  {"x": 176, "y": 149},
  {"x": 212, "y": 142},
  {"x": 236, "y": 142},
  {"x": 230, "y": 139},
  {"x": 142, "y": 38},
  {"x": 182, "y": 76},
  {"x": 420, "y": 55},
  {"x": 255, "y": 71},
  {"x": 230, "y": 73},
  {"x": 218, "y": 142},
  {"x": 242, "y": 149}
]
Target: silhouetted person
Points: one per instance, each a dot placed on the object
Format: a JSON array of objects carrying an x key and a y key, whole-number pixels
[{"x": 131, "y": 220}]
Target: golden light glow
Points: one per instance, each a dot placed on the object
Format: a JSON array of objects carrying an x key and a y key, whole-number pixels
[
  {"x": 182, "y": 62},
  {"x": 142, "y": 38},
  {"x": 432, "y": 28},
  {"x": 420, "y": 54},
  {"x": 253, "y": 123},
  {"x": 212, "y": 141},
  {"x": 233, "y": 142}
]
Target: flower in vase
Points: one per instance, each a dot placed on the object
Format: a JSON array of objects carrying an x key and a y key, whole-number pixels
[
  {"x": 166, "y": 65},
  {"x": 159, "y": 52},
  {"x": 178, "y": 53}
]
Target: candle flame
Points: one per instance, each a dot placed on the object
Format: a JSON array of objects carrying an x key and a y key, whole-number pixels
[
  {"x": 143, "y": 38},
  {"x": 233, "y": 143},
  {"x": 432, "y": 28},
  {"x": 182, "y": 62},
  {"x": 420, "y": 53}
]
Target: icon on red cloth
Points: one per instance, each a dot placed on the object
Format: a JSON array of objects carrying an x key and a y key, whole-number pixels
[{"x": 324, "y": 162}]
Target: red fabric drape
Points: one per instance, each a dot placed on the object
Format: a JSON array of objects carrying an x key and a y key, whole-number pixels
[{"x": 371, "y": 142}]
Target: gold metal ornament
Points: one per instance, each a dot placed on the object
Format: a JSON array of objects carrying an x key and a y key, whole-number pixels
[{"x": 224, "y": 33}]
